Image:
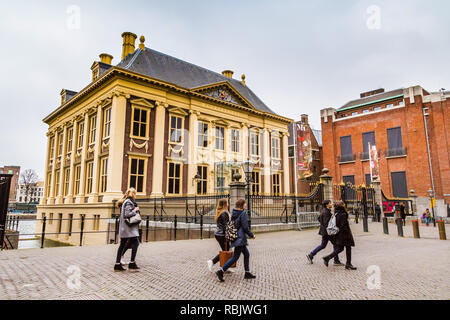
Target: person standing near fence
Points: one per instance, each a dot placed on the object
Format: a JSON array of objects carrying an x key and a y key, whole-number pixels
[
  {"x": 378, "y": 211},
  {"x": 128, "y": 233},
  {"x": 240, "y": 219},
  {"x": 222, "y": 217},
  {"x": 324, "y": 218},
  {"x": 344, "y": 238},
  {"x": 403, "y": 213}
]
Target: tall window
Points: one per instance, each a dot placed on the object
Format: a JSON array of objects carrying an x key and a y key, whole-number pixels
[
  {"x": 275, "y": 147},
  {"x": 103, "y": 175},
  {"x": 368, "y": 137},
  {"x": 254, "y": 143},
  {"x": 76, "y": 178},
  {"x": 49, "y": 183},
  {"x": 202, "y": 183},
  {"x": 255, "y": 182},
  {"x": 395, "y": 140},
  {"x": 69, "y": 143},
  {"x": 234, "y": 140},
  {"x": 220, "y": 138},
  {"x": 276, "y": 189},
  {"x": 66, "y": 181},
  {"x": 89, "y": 176},
  {"x": 399, "y": 185},
  {"x": 92, "y": 128},
  {"x": 52, "y": 147},
  {"x": 346, "y": 150},
  {"x": 56, "y": 191},
  {"x": 174, "y": 178},
  {"x": 137, "y": 174},
  {"x": 80, "y": 135},
  {"x": 368, "y": 180},
  {"x": 176, "y": 129},
  {"x": 140, "y": 123},
  {"x": 203, "y": 134},
  {"x": 60, "y": 144},
  {"x": 50, "y": 219},
  {"x": 106, "y": 122}
]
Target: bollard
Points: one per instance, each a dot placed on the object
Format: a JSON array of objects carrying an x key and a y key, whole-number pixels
[
  {"x": 385, "y": 225},
  {"x": 356, "y": 218},
  {"x": 81, "y": 231},
  {"x": 366, "y": 224},
  {"x": 399, "y": 223},
  {"x": 415, "y": 225},
  {"x": 146, "y": 228},
  {"x": 43, "y": 232},
  {"x": 441, "y": 226},
  {"x": 116, "y": 230},
  {"x": 201, "y": 227},
  {"x": 175, "y": 229}
]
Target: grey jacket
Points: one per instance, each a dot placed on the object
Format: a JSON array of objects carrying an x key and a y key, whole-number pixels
[{"x": 127, "y": 211}]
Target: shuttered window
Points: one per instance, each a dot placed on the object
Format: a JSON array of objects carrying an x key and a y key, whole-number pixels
[
  {"x": 399, "y": 186},
  {"x": 346, "y": 146}
]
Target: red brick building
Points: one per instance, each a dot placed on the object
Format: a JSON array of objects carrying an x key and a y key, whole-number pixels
[{"x": 394, "y": 122}]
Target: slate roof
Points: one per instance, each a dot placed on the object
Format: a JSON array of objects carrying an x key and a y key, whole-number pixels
[
  {"x": 184, "y": 74},
  {"x": 318, "y": 136},
  {"x": 372, "y": 99}
]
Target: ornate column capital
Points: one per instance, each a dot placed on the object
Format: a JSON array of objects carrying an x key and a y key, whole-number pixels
[
  {"x": 118, "y": 93},
  {"x": 162, "y": 104},
  {"x": 195, "y": 112}
]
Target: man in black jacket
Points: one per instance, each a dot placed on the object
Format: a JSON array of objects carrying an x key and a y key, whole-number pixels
[{"x": 324, "y": 218}]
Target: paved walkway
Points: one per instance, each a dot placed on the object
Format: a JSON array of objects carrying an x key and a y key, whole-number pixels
[{"x": 410, "y": 269}]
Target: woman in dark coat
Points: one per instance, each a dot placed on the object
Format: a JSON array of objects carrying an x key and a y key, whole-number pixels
[
  {"x": 222, "y": 217},
  {"x": 344, "y": 238},
  {"x": 403, "y": 213}
]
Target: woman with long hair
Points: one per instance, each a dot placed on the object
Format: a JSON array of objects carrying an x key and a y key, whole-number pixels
[
  {"x": 222, "y": 217},
  {"x": 344, "y": 237},
  {"x": 128, "y": 232}
]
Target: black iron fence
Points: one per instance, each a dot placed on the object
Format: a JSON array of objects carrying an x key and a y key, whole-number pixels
[{"x": 359, "y": 200}]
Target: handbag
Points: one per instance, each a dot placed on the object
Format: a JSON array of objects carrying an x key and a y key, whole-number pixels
[
  {"x": 224, "y": 256},
  {"x": 136, "y": 219},
  {"x": 332, "y": 229}
]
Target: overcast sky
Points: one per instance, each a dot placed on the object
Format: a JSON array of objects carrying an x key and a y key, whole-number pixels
[{"x": 298, "y": 56}]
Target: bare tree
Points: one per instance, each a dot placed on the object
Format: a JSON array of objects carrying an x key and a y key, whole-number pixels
[{"x": 28, "y": 179}]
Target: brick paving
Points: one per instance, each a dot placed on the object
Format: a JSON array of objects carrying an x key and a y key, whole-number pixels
[{"x": 410, "y": 269}]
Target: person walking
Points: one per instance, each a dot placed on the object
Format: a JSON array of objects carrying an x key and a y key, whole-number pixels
[
  {"x": 324, "y": 218},
  {"x": 222, "y": 217},
  {"x": 240, "y": 220},
  {"x": 128, "y": 233},
  {"x": 403, "y": 213},
  {"x": 427, "y": 217},
  {"x": 378, "y": 211},
  {"x": 344, "y": 238}
]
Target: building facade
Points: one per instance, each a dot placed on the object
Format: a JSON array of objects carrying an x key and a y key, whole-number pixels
[
  {"x": 35, "y": 194},
  {"x": 15, "y": 171},
  {"x": 161, "y": 125},
  {"x": 308, "y": 162},
  {"x": 394, "y": 121}
]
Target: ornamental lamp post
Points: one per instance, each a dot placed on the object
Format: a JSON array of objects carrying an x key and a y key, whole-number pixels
[
  {"x": 248, "y": 170},
  {"x": 432, "y": 204}
]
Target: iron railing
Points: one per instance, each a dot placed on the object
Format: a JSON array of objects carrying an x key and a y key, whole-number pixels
[
  {"x": 398, "y": 152},
  {"x": 346, "y": 158}
]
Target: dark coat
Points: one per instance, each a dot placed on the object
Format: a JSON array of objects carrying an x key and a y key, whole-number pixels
[
  {"x": 324, "y": 218},
  {"x": 222, "y": 223},
  {"x": 402, "y": 212},
  {"x": 344, "y": 236},
  {"x": 240, "y": 219},
  {"x": 378, "y": 209}
]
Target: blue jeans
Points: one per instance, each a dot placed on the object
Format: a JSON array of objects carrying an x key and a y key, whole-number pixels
[
  {"x": 235, "y": 257},
  {"x": 323, "y": 245}
]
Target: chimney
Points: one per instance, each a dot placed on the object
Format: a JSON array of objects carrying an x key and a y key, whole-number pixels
[
  {"x": 304, "y": 118},
  {"x": 106, "y": 58},
  {"x": 228, "y": 73},
  {"x": 371, "y": 93},
  {"x": 128, "y": 46}
]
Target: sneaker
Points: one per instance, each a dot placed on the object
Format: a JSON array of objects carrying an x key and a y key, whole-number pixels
[
  {"x": 310, "y": 258},
  {"x": 325, "y": 261},
  {"x": 219, "y": 274},
  {"x": 133, "y": 266},
  {"x": 123, "y": 262},
  {"x": 229, "y": 271},
  {"x": 118, "y": 267},
  {"x": 248, "y": 275},
  {"x": 350, "y": 267},
  {"x": 338, "y": 263},
  {"x": 210, "y": 265}
]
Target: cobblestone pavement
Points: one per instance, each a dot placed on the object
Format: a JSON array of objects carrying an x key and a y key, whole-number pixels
[{"x": 410, "y": 269}]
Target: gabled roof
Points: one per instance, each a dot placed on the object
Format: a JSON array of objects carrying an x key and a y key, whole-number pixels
[
  {"x": 372, "y": 99},
  {"x": 184, "y": 74}
]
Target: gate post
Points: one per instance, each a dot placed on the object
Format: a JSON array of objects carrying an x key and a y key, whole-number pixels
[
  {"x": 378, "y": 199},
  {"x": 413, "y": 197},
  {"x": 365, "y": 213},
  {"x": 327, "y": 182}
]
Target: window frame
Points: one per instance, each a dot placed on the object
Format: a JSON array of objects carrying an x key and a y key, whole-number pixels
[
  {"x": 89, "y": 183},
  {"x": 235, "y": 140},
  {"x": 66, "y": 182},
  {"x": 203, "y": 180},
  {"x": 56, "y": 182},
  {"x": 276, "y": 148},
  {"x": 76, "y": 179},
  {"x": 80, "y": 135},
  {"x": 144, "y": 175},
  {"x": 92, "y": 129},
  {"x": 175, "y": 179},
  {"x": 106, "y": 130},
  {"x": 103, "y": 176},
  {"x": 219, "y": 139},
  {"x": 256, "y": 185},
  {"x": 140, "y": 123},
  {"x": 255, "y": 133},
  {"x": 202, "y": 134},
  {"x": 276, "y": 185},
  {"x": 69, "y": 143}
]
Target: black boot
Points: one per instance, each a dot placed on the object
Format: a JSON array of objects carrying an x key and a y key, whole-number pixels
[
  {"x": 310, "y": 258},
  {"x": 133, "y": 266},
  {"x": 338, "y": 263},
  {"x": 248, "y": 275},
  {"x": 325, "y": 261},
  {"x": 219, "y": 274},
  {"x": 350, "y": 267},
  {"x": 118, "y": 267}
]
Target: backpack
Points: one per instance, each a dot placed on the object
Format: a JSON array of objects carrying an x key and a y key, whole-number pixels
[
  {"x": 332, "y": 229},
  {"x": 231, "y": 232}
]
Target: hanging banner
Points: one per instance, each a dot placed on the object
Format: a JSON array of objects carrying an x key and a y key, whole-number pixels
[
  {"x": 304, "y": 151},
  {"x": 374, "y": 168}
]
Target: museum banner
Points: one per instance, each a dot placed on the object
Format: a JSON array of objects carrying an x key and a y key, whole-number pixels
[{"x": 304, "y": 151}]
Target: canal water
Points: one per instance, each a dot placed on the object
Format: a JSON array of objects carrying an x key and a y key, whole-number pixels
[{"x": 30, "y": 241}]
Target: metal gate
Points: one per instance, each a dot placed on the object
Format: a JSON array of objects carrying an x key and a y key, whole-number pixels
[
  {"x": 359, "y": 200},
  {"x": 5, "y": 185}
]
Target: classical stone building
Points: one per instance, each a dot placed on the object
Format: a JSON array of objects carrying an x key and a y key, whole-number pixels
[
  {"x": 394, "y": 121},
  {"x": 161, "y": 125}
]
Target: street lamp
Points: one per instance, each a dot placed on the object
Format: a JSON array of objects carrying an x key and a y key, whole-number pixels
[
  {"x": 432, "y": 204},
  {"x": 248, "y": 170}
]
